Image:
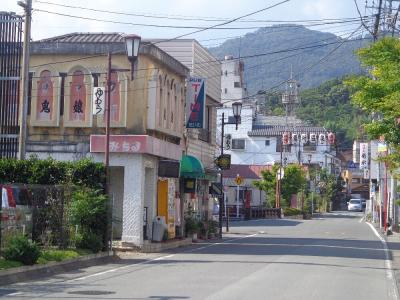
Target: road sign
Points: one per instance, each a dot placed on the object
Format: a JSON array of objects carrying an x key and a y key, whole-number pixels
[
  {"x": 238, "y": 180},
  {"x": 216, "y": 189},
  {"x": 224, "y": 161}
]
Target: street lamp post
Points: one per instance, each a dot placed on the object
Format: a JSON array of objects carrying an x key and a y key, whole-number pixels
[
  {"x": 132, "y": 43},
  {"x": 237, "y": 110}
]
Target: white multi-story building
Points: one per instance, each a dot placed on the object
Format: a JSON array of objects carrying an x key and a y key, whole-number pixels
[
  {"x": 232, "y": 83},
  {"x": 258, "y": 141}
]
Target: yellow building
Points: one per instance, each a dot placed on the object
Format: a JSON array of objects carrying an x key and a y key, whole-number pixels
[{"x": 147, "y": 121}]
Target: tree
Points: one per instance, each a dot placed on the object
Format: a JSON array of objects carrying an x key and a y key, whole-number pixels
[
  {"x": 267, "y": 184},
  {"x": 293, "y": 182},
  {"x": 378, "y": 94}
]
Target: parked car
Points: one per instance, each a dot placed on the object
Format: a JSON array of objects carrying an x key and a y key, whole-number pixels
[{"x": 354, "y": 205}]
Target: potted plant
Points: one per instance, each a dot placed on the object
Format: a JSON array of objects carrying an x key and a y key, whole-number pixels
[{"x": 191, "y": 226}]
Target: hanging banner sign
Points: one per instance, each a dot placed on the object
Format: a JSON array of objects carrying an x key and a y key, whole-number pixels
[
  {"x": 195, "y": 102},
  {"x": 99, "y": 100},
  {"x": 363, "y": 155}
]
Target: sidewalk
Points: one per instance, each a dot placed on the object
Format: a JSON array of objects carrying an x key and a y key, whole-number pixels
[{"x": 393, "y": 244}]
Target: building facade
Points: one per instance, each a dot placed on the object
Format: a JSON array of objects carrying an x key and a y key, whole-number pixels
[
  {"x": 147, "y": 116},
  {"x": 200, "y": 143}
]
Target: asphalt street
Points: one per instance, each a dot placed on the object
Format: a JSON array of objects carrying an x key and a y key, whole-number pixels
[{"x": 335, "y": 256}]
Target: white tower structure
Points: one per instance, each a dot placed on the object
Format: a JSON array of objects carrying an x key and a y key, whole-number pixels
[{"x": 232, "y": 83}]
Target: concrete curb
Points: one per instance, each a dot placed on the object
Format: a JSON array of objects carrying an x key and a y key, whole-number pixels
[{"x": 26, "y": 273}]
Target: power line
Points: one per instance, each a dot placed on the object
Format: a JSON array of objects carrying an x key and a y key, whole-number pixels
[
  {"x": 187, "y": 18},
  {"x": 228, "y": 22},
  {"x": 200, "y": 28}
]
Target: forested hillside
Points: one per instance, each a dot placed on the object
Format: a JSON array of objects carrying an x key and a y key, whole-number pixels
[{"x": 278, "y": 49}]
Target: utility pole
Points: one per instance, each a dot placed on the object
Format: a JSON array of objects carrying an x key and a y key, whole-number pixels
[
  {"x": 107, "y": 152},
  {"x": 221, "y": 199},
  {"x": 23, "y": 111}
]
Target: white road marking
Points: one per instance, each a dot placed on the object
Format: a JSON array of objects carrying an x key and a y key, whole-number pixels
[
  {"x": 15, "y": 294},
  {"x": 388, "y": 264},
  {"x": 163, "y": 257},
  {"x": 154, "y": 259},
  {"x": 362, "y": 219},
  {"x": 119, "y": 268}
]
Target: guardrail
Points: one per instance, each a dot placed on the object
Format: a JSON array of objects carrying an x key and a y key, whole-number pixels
[{"x": 254, "y": 212}]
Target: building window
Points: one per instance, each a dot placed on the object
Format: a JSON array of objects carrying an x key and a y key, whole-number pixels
[
  {"x": 226, "y": 73},
  {"x": 236, "y": 84},
  {"x": 238, "y": 144},
  {"x": 267, "y": 142},
  {"x": 226, "y": 90}
]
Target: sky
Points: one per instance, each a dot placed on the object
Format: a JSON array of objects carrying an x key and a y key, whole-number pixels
[{"x": 48, "y": 24}]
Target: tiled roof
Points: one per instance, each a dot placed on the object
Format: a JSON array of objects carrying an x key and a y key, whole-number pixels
[
  {"x": 271, "y": 130},
  {"x": 87, "y": 37},
  {"x": 246, "y": 171}
]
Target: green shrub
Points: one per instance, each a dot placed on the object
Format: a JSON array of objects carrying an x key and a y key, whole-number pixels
[
  {"x": 57, "y": 255},
  {"x": 88, "y": 210},
  {"x": 89, "y": 240},
  {"x": 289, "y": 211},
  {"x": 20, "y": 248}
]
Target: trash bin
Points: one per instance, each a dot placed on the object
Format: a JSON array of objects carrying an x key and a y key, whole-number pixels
[{"x": 159, "y": 226}]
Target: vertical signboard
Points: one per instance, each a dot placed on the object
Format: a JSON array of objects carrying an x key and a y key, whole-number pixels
[
  {"x": 363, "y": 155},
  {"x": 98, "y": 100},
  {"x": 195, "y": 103}
]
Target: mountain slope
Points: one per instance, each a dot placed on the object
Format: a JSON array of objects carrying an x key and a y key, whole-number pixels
[{"x": 266, "y": 71}]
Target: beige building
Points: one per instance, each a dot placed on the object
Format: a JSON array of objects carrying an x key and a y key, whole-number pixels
[
  {"x": 201, "y": 143},
  {"x": 147, "y": 118}
]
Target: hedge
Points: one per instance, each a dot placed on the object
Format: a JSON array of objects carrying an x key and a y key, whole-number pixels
[{"x": 50, "y": 171}]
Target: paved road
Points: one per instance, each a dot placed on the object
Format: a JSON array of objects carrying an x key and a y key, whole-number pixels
[{"x": 332, "y": 257}]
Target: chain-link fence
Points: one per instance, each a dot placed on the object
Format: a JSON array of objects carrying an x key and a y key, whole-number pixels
[{"x": 38, "y": 211}]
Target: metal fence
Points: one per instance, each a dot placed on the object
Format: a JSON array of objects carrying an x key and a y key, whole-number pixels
[
  {"x": 10, "y": 69},
  {"x": 38, "y": 211}
]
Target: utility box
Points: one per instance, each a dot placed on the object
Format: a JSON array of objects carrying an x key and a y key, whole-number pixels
[{"x": 159, "y": 226}]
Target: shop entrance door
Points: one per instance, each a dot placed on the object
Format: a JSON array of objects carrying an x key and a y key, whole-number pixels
[{"x": 162, "y": 199}]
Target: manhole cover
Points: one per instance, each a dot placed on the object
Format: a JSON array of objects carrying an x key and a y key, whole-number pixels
[{"x": 93, "y": 293}]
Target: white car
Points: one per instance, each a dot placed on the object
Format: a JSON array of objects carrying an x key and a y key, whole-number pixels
[{"x": 354, "y": 205}]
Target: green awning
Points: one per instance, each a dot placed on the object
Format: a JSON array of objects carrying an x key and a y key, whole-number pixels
[{"x": 191, "y": 167}]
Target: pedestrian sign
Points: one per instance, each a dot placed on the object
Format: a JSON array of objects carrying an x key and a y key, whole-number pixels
[{"x": 238, "y": 180}]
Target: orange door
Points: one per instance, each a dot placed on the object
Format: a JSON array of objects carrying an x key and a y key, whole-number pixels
[{"x": 162, "y": 199}]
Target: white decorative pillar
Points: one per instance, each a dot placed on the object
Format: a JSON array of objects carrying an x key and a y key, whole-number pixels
[{"x": 132, "y": 220}]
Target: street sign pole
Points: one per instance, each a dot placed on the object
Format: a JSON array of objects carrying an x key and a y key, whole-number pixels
[{"x": 237, "y": 201}]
